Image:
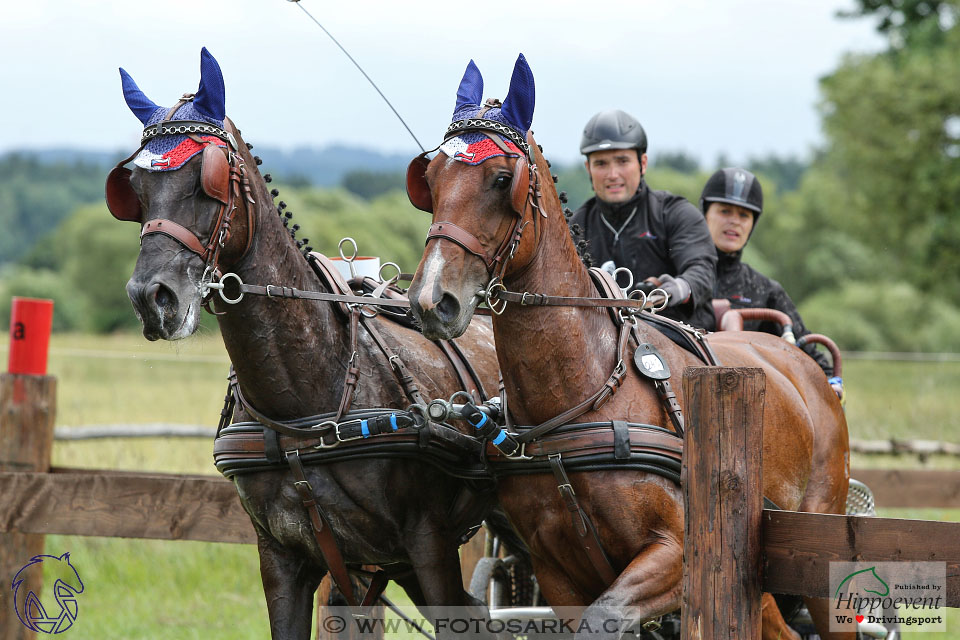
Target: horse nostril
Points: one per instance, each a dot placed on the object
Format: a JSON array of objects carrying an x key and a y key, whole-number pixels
[
  {"x": 448, "y": 309},
  {"x": 163, "y": 297},
  {"x": 160, "y": 296}
]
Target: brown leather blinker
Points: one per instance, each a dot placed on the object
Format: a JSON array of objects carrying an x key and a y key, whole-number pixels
[
  {"x": 417, "y": 189},
  {"x": 420, "y": 196},
  {"x": 122, "y": 200}
]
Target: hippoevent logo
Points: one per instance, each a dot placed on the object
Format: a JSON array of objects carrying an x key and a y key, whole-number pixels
[
  {"x": 908, "y": 595},
  {"x": 52, "y": 618}
]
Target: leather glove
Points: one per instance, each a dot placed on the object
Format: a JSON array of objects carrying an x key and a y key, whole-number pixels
[{"x": 677, "y": 289}]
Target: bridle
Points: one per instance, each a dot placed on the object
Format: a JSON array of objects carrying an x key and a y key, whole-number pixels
[
  {"x": 223, "y": 177},
  {"x": 525, "y": 193}
]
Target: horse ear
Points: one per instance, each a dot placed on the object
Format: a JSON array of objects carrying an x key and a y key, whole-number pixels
[
  {"x": 470, "y": 91},
  {"x": 142, "y": 106},
  {"x": 210, "y": 98},
  {"x": 518, "y": 105}
]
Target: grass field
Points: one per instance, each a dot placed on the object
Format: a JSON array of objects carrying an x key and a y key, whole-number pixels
[{"x": 183, "y": 590}]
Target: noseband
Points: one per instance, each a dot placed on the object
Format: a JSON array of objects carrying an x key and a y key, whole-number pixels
[
  {"x": 221, "y": 175},
  {"x": 524, "y": 192}
]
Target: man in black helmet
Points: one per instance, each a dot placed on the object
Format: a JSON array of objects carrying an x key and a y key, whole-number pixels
[
  {"x": 660, "y": 237},
  {"x": 732, "y": 201}
]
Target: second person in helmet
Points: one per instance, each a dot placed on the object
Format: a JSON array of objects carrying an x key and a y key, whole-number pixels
[
  {"x": 660, "y": 237},
  {"x": 732, "y": 201}
]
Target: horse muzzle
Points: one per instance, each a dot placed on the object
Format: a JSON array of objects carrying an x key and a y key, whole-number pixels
[{"x": 162, "y": 311}]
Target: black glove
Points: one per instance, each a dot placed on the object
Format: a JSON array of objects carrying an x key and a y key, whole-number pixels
[
  {"x": 677, "y": 289},
  {"x": 646, "y": 287}
]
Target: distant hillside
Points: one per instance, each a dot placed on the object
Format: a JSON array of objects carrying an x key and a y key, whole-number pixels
[{"x": 320, "y": 167}]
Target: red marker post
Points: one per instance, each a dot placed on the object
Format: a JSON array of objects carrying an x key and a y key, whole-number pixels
[
  {"x": 30, "y": 323},
  {"x": 27, "y": 412}
]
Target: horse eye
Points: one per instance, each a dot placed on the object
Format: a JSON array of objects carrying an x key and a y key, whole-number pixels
[{"x": 502, "y": 182}]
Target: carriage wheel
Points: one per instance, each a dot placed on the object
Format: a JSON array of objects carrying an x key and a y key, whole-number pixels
[{"x": 491, "y": 583}]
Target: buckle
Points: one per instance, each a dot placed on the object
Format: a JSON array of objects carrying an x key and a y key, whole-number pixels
[
  {"x": 340, "y": 438},
  {"x": 520, "y": 456}
]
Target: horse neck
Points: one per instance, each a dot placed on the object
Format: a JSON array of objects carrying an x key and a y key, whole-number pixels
[
  {"x": 553, "y": 357},
  {"x": 274, "y": 344}
]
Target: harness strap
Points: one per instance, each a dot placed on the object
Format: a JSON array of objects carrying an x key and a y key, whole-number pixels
[
  {"x": 467, "y": 380},
  {"x": 353, "y": 371},
  {"x": 462, "y": 237},
  {"x": 589, "y": 539},
  {"x": 179, "y": 233},
  {"x": 594, "y": 402},
  {"x": 400, "y": 371},
  {"x": 669, "y": 399},
  {"x": 323, "y": 534}
]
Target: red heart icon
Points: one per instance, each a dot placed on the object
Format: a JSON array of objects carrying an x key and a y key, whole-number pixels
[{"x": 859, "y": 618}]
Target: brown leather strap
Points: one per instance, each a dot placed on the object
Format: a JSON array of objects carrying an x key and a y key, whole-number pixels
[
  {"x": 461, "y": 237},
  {"x": 378, "y": 583},
  {"x": 669, "y": 399},
  {"x": 589, "y": 539},
  {"x": 525, "y": 298},
  {"x": 474, "y": 376},
  {"x": 353, "y": 370},
  {"x": 598, "y": 440},
  {"x": 594, "y": 402},
  {"x": 321, "y": 530},
  {"x": 400, "y": 371},
  {"x": 466, "y": 380},
  {"x": 181, "y": 234}
]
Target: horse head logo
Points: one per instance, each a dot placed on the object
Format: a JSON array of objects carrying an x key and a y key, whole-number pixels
[
  {"x": 67, "y": 586},
  {"x": 865, "y": 580}
]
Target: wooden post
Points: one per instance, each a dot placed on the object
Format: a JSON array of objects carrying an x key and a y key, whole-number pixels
[
  {"x": 27, "y": 412},
  {"x": 470, "y": 555},
  {"x": 721, "y": 478}
]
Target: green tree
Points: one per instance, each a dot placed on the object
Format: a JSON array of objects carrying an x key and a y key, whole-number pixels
[
  {"x": 909, "y": 23},
  {"x": 893, "y": 126}
]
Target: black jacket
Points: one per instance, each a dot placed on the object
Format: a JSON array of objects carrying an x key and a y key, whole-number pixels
[
  {"x": 666, "y": 234},
  {"x": 745, "y": 287}
]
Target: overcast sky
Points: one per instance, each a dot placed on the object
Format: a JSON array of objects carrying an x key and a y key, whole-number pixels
[{"x": 708, "y": 76}]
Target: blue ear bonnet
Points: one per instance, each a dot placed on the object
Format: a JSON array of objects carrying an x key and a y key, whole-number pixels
[
  {"x": 170, "y": 152},
  {"x": 516, "y": 111}
]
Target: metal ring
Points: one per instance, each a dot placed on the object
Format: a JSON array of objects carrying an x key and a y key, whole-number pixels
[
  {"x": 222, "y": 289},
  {"x": 629, "y": 273},
  {"x": 666, "y": 299},
  {"x": 364, "y": 307},
  {"x": 461, "y": 393},
  {"x": 394, "y": 278},
  {"x": 632, "y": 296},
  {"x": 488, "y": 294},
  {"x": 355, "y": 251}
]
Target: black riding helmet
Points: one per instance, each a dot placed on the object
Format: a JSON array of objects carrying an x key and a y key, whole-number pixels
[
  {"x": 734, "y": 186},
  {"x": 613, "y": 129}
]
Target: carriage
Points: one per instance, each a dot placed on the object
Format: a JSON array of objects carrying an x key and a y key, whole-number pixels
[{"x": 313, "y": 443}]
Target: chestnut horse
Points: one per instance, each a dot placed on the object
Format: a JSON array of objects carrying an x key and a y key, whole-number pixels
[
  {"x": 497, "y": 222},
  {"x": 291, "y": 358}
]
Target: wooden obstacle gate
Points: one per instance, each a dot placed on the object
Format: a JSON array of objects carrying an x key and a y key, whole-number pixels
[{"x": 734, "y": 550}]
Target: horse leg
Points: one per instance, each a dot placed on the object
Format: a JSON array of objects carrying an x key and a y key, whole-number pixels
[
  {"x": 650, "y": 586},
  {"x": 774, "y": 627},
  {"x": 819, "y": 609},
  {"x": 436, "y": 564},
  {"x": 289, "y": 583}
]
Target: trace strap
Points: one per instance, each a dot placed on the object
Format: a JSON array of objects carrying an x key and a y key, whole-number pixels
[
  {"x": 277, "y": 291},
  {"x": 528, "y": 299}
]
